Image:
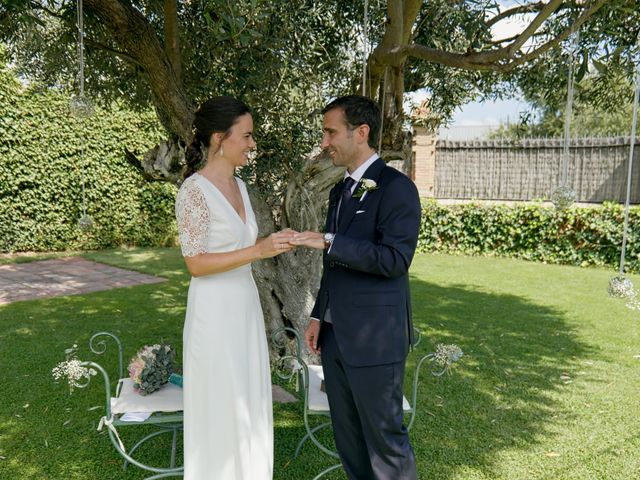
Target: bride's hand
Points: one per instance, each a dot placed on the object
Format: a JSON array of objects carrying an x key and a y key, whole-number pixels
[{"x": 276, "y": 243}]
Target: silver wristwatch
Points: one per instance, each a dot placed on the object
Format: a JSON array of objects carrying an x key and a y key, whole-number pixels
[{"x": 328, "y": 239}]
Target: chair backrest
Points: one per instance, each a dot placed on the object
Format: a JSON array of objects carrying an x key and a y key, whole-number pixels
[
  {"x": 281, "y": 338},
  {"x": 98, "y": 345}
]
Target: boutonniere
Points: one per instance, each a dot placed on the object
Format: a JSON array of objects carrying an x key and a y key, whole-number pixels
[{"x": 366, "y": 185}]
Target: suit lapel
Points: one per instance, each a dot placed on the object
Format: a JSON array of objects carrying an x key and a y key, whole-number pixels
[{"x": 347, "y": 214}]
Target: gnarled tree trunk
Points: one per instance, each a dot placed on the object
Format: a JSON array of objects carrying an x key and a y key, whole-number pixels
[{"x": 288, "y": 283}]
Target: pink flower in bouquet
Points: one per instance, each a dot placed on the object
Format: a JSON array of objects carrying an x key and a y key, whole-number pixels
[{"x": 135, "y": 369}]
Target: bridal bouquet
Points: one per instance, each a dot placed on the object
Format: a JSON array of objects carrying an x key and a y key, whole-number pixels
[{"x": 152, "y": 367}]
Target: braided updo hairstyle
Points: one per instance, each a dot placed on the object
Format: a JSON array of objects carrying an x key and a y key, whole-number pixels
[{"x": 216, "y": 115}]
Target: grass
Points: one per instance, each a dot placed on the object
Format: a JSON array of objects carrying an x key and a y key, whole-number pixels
[{"x": 547, "y": 388}]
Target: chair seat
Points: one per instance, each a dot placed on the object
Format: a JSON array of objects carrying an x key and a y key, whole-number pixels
[
  {"x": 318, "y": 402},
  {"x": 167, "y": 399}
]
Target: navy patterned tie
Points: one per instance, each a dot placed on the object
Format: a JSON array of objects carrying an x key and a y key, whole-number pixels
[{"x": 345, "y": 196}]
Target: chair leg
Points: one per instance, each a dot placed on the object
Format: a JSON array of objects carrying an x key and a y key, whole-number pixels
[
  {"x": 173, "y": 448},
  {"x": 308, "y": 435},
  {"x": 165, "y": 475},
  {"x": 300, "y": 444},
  {"x": 137, "y": 445},
  {"x": 327, "y": 470}
]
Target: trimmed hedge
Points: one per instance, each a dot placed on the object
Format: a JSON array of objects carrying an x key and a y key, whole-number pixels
[
  {"x": 577, "y": 236},
  {"x": 41, "y": 175}
]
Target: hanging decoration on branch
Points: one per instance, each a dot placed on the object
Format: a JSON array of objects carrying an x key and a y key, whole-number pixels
[
  {"x": 365, "y": 47},
  {"x": 620, "y": 286},
  {"x": 564, "y": 196},
  {"x": 82, "y": 107}
]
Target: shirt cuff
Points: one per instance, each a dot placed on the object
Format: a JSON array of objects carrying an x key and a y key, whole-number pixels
[{"x": 331, "y": 246}]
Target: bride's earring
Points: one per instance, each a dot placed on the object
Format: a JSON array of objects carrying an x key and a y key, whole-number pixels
[{"x": 221, "y": 151}]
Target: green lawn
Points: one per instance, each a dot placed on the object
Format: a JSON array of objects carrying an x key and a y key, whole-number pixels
[{"x": 547, "y": 388}]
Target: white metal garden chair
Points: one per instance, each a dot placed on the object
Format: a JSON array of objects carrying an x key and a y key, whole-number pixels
[
  {"x": 123, "y": 409},
  {"x": 309, "y": 379}
]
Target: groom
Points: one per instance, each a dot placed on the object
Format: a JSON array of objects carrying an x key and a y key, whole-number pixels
[{"x": 361, "y": 322}]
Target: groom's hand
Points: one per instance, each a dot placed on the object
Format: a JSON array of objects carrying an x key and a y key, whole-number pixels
[
  {"x": 311, "y": 335},
  {"x": 308, "y": 239}
]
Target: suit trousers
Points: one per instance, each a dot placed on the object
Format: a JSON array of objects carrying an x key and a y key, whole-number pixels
[{"x": 367, "y": 416}]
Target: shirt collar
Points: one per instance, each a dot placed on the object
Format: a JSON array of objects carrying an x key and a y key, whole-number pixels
[{"x": 359, "y": 172}]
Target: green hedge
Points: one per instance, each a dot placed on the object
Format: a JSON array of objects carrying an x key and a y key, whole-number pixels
[
  {"x": 41, "y": 175},
  {"x": 577, "y": 236}
]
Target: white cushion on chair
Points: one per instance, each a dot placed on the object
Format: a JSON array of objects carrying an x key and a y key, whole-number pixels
[
  {"x": 318, "y": 401},
  {"x": 167, "y": 399}
]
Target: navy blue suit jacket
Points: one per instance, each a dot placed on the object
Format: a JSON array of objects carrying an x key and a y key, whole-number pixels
[{"x": 365, "y": 280}]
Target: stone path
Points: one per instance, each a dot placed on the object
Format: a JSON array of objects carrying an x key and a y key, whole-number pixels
[
  {"x": 64, "y": 276},
  {"x": 73, "y": 276}
]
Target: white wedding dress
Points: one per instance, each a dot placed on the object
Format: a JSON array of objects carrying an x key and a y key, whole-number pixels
[{"x": 228, "y": 419}]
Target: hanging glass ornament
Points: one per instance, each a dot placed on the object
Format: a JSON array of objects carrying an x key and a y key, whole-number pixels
[
  {"x": 563, "y": 197},
  {"x": 81, "y": 106},
  {"x": 85, "y": 223},
  {"x": 620, "y": 284},
  {"x": 365, "y": 46},
  {"x": 621, "y": 287}
]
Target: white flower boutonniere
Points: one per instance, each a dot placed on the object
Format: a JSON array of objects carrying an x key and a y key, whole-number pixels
[{"x": 366, "y": 185}]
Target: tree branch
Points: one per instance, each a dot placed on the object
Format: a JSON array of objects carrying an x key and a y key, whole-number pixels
[
  {"x": 513, "y": 37},
  {"x": 531, "y": 29},
  {"x": 562, "y": 36},
  {"x": 133, "y": 35},
  {"x": 394, "y": 31},
  {"x": 381, "y": 57},
  {"x": 532, "y": 7},
  {"x": 40, "y": 6},
  {"x": 410, "y": 15},
  {"x": 510, "y": 50},
  {"x": 106, "y": 48},
  {"x": 479, "y": 62},
  {"x": 504, "y": 40},
  {"x": 172, "y": 37},
  {"x": 450, "y": 59}
]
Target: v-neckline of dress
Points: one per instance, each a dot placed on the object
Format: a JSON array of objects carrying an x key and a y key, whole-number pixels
[{"x": 244, "y": 209}]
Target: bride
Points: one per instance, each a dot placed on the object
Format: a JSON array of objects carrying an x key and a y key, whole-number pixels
[{"x": 228, "y": 420}]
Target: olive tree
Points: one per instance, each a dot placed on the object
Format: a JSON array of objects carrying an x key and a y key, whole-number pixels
[{"x": 286, "y": 60}]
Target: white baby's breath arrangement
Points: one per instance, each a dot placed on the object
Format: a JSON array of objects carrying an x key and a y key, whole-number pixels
[
  {"x": 76, "y": 375},
  {"x": 622, "y": 287},
  {"x": 445, "y": 356}
]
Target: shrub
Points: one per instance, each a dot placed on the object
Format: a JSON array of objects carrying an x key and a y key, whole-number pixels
[
  {"x": 576, "y": 236},
  {"x": 41, "y": 173}
]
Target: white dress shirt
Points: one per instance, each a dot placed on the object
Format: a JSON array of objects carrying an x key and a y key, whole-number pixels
[{"x": 359, "y": 172}]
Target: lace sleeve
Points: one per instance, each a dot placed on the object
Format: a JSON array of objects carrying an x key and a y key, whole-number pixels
[{"x": 192, "y": 215}]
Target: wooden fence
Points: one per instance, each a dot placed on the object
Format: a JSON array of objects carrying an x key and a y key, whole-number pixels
[{"x": 531, "y": 169}]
